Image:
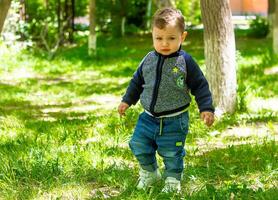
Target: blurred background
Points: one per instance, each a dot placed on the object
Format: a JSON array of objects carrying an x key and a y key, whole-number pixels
[{"x": 48, "y": 23}]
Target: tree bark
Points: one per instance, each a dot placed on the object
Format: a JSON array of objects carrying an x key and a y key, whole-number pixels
[
  {"x": 220, "y": 59},
  {"x": 60, "y": 22},
  {"x": 275, "y": 29},
  {"x": 4, "y": 7},
  {"x": 123, "y": 20},
  {"x": 71, "y": 34},
  {"x": 164, "y": 3},
  {"x": 271, "y": 15},
  {"x": 22, "y": 11},
  {"x": 123, "y": 14},
  {"x": 68, "y": 25},
  {"x": 92, "y": 36},
  {"x": 148, "y": 14}
]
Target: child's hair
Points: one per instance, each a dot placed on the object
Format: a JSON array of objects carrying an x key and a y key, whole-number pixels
[{"x": 165, "y": 16}]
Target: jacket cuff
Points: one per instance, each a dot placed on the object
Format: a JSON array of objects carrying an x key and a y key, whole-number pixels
[
  {"x": 129, "y": 102},
  {"x": 207, "y": 110}
]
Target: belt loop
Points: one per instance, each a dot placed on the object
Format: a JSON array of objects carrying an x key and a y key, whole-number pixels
[{"x": 161, "y": 126}]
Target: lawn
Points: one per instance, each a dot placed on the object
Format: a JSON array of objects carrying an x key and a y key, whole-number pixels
[{"x": 61, "y": 136}]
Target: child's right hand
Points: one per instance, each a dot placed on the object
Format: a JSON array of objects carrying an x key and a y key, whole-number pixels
[
  {"x": 122, "y": 108},
  {"x": 207, "y": 117}
]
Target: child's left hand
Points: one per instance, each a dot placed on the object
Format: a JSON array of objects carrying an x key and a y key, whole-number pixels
[{"x": 207, "y": 117}]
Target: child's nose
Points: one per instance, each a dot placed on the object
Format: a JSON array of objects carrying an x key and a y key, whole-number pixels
[{"x": 164, "y": 43}]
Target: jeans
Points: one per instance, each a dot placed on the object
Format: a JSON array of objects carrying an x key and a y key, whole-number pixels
[{"x": 164, "y": 135}]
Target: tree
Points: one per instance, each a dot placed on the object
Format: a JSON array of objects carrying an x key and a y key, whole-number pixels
[
  {"x": 164, "y": 3},
  {"x": 148, "y": 14},
  {"x": 4, "y": 7},
  {"x": 220, "y": 61},
  {"x": 119, "y": 12},
  {"x": 92, "y": 36},
  {"x": 65, "y": 17},
  {"x": 271, "y": 14},
  {"x": 275, "y": 29},
  {"x": 22, "y": 11},
  {"x": 191, "y": 11},
  {"x": 123, "y": 13}
]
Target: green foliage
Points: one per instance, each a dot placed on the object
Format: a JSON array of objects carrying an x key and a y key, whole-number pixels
[
  {"x": 110, "y": 14},
  {"x": 81, "y": 7},
  {"x": 191, "y": 11},
  {"x": 259, "y": 27},
  {"x": 61, "y": 136},
  {"x": 41, "y": 22}
]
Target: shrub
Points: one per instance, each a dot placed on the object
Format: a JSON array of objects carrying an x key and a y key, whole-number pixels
[{"x": 259, "y": 27}]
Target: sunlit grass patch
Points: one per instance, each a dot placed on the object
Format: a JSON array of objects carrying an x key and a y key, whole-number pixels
[
  {"x": 271, "y": 70},
  {"x": 259, "y": 104},
  {"x": 15, "y": 77},
  {"x": 67, "y": 191},
  {"x": 255, "y": 130},
  {"x": 10, "y": 128}
]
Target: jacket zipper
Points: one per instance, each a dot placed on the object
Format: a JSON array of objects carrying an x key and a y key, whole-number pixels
[{"x": 157, "y": 82}]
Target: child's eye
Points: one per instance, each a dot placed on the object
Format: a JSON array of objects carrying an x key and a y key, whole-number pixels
[
  {"x": 172, "y": 38},
  {"x": 158, "y": 38}
]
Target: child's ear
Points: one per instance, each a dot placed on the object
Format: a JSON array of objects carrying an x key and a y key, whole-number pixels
[{"x": 183, "y": 36}]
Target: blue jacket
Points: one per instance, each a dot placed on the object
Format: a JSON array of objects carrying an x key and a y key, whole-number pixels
[{"x": 162, "y": 83}]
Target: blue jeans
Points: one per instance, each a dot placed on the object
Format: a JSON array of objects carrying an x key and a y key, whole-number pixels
[{"x": 164, "y": 135}]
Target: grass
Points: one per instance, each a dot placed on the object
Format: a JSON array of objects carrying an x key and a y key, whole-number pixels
[{"x": 61, "y": 137}]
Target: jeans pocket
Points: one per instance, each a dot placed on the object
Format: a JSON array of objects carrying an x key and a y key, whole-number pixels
[{"x": 184, "y": 122}]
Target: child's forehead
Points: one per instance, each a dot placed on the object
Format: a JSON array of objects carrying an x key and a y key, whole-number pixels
[{"x": 169, "y": 28}]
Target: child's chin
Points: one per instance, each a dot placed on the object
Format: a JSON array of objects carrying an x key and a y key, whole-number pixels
[{"x": 166, "y": 53}]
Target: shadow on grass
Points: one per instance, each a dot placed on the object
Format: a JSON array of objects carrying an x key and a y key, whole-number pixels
[
  {"x": 13, "y": 97},
  {"x": 110, "y": 50}
]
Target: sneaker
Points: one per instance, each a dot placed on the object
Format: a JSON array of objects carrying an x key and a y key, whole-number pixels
[
  {"x": 172, "y": 185},
  {"x": 147, "y": 178}
]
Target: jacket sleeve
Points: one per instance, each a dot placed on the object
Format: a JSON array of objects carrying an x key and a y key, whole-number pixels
[
  {"x": 198, "y": 85},
  {"x": 135, "y": 87}
]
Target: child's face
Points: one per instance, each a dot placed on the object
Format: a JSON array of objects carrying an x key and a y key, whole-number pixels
[{"x": 168, "y": 39}]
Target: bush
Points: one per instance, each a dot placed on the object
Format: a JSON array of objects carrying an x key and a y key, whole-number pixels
[{"x": 259, "y": 27}]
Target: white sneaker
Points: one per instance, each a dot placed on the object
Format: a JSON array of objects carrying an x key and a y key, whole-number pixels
[
  {"x": 147, "y": 178},
  {"x": 172, "y": 185}
]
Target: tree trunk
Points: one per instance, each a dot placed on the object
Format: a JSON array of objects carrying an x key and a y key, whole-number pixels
[
  {"x": 71, "y": 33},
  {"x": 68, "y": 20},
  {"x": 164, "y": 3},
  {"x": 275, "y": 29},
  {"x": 92, "y": 36},
  {"x": 4, "y": 7},
  {"x": 220, "y": 60},
  {"x": 123, "y": 20},
  {"x": 60, "y": 22},
  {"x": 22, "y": 11},
  {"x": 271, "y": 15},
  {"x": 148, "y": 14},
  {"x": 123, "y": 14}
]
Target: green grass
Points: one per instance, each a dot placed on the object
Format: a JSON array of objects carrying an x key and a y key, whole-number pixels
[{"x": 61, "y": 136}]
